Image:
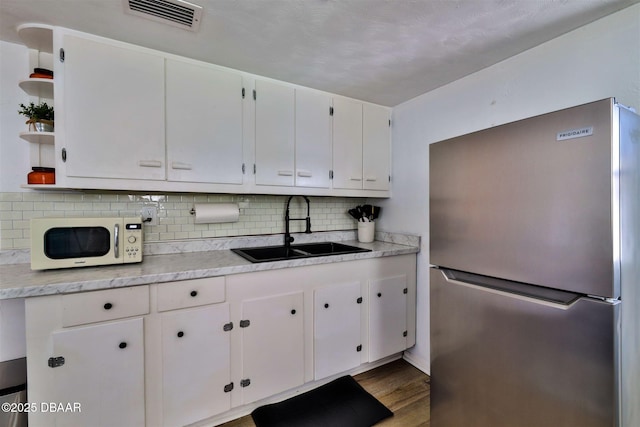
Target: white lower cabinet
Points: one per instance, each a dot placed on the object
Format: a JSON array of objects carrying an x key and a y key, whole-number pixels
[
  {"x": 98, "y": 360},
  {"x": 187, "y": 352},
  {"x": 337, "y": 341},
  {"x": 84, "y": 360},
  {"x": 272, "y": 345},
  {"x": 387, "y": 331},
  {"x": 195, "y": 364}
]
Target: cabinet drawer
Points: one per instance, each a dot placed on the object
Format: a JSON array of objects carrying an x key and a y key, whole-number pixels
[
  {"x": 98, "y": 306},
  {"x": 191, "y": 293}
]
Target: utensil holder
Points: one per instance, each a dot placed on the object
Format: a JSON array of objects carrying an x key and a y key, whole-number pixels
[{"x": 366, "y": 232}]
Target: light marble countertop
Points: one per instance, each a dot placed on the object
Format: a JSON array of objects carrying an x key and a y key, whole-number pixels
[{"x": 182, "y": 261}]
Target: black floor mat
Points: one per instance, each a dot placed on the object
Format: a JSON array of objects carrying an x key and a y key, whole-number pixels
[{"x": 340, "y": 403}]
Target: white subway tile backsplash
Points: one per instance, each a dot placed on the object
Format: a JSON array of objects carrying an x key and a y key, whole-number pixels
[{"x": 259, "y": 214}]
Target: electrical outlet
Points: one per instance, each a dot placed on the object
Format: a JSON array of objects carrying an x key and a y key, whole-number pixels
[{"x": 149, "y": 215}]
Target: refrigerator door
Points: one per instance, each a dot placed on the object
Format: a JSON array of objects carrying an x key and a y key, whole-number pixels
[
  {"x": 529, "y": 201},
  {"x": 505, "y": 359}
]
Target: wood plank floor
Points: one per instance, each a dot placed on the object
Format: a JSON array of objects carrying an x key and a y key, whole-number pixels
[{"x": 398, "y": 385}]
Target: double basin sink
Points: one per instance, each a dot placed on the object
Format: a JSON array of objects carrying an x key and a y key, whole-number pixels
[{"x": 302, "y": 250}]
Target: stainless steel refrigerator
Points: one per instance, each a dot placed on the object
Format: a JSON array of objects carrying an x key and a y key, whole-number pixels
[{"x": 535, "y": 278}]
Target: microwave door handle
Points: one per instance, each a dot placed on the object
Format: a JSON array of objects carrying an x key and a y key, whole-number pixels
[{"x": 116, "y": 240}]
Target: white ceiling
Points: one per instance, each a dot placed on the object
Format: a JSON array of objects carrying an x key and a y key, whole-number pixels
[{"x": 382, "y": 51}]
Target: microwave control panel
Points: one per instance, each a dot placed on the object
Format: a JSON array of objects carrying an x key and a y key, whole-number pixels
[{"x": 132, "y": 241}]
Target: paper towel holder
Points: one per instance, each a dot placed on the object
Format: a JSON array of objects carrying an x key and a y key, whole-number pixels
[{"x": 213, "y": 213}]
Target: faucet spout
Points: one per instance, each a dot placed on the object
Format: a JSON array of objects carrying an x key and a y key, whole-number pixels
[{"x": 287, "y": 234}]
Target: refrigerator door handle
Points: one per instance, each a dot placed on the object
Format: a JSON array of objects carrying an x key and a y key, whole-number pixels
[{"x": 562, "y": 300}]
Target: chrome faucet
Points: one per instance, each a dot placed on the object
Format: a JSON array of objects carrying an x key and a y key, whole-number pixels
[{"x": 287, "y": 235}]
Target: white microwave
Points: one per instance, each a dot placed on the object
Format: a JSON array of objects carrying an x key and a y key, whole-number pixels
[{"x": 81, "y": 242}]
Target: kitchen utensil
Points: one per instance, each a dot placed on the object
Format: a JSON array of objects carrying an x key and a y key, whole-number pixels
[{"x": 355, "y": 214}]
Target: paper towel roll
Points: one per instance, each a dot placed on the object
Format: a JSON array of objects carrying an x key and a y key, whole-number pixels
[{"x": 210, "y": 213}]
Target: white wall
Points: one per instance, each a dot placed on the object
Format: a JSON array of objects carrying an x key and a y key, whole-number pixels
[
  {"x": 597, "y": 61},
  {"x": 14, "y": 152}
]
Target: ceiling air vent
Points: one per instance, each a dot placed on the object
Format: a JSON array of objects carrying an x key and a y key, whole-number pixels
[{"x": 177, "y": 13}]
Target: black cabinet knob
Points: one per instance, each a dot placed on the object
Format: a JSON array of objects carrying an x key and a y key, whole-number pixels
[
  {"x": 326, "y": 305},
  {"x": 108, "y": 306},
  {"x": 123, "y": 345},
  {"x": 379, "y": 294},
  {"x": 180, "y": 334},
  {"x": 193, "y": 293},
  {"x": 293, "y": 311}
]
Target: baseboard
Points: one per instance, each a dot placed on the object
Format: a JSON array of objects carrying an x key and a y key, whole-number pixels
[{"x": 418, "y": 362}]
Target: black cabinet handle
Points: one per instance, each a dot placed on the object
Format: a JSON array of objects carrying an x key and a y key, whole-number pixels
[
  {"x": 326, "y": 305},
  {"x": 293, "y": 311},
  {"x": 108, "y": 306},
  {"x": 193, "y": 293},
  {"x": 379, "y": 294},
  {"x": 180, "y": 334},
  {"x": 123, "y": 345}
]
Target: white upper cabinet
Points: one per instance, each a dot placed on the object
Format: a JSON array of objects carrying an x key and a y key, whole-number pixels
[
  {"x": 275, "y": 136},
  {"x": 132, "y": 118},
  {"x": 347, "y": 143},
  {"x": 293, "y": 136},
  {"x": 113, "y": 117},
  {"x": 361, "y": 145},
  {"x": 376, "y": 147},
  {"x": 313, "y": 139},
  {"x": 203, "y": 123}
]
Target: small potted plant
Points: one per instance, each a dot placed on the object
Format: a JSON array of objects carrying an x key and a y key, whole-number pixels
[{"x": 40, "y": 116}]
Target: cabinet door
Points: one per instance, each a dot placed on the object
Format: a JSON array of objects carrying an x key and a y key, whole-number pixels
[
  {"x": 387, "y": 316},
  {"x": 347, "y": 143},
  {"x": 195, "y": 364},
  {"x": 376, "y": 140},
  {"x": 204, "y": 123},
  {"x": 272, "y": 345},
  {"x": 98, "y": 360},
  {"x": 313, "y": 139},
  {"x": 274, "y": 134},
  {"x": 113, "y": 111},
  {"x": 337, "y": 338}
]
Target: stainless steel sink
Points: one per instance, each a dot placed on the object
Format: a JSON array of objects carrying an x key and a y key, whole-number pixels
[{"x": 302, "y": 250}]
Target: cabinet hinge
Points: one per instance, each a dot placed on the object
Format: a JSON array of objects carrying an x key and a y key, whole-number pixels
[
  {"x": 64, "y": 154},
  {"x": 227, "y": 327},
  {"x": 228, "y": 387},
  {"x": 359, "y": 300},
  {"x": 404, "y": 334},
  {"x": 245, "y": 323},
  {"x": 330, "y": 174},
  {"x": 331, "y": 111},
  {"x": 245, "y": 383},
  {"x": 61, "y": 55},
  {"x": 359, "y": 348},
  {"x": 254, "y": 95},
  {"x": 55, "y": 362},
  {"x": 242, "y": 93},
  {"x": 405, "y": 291}
]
